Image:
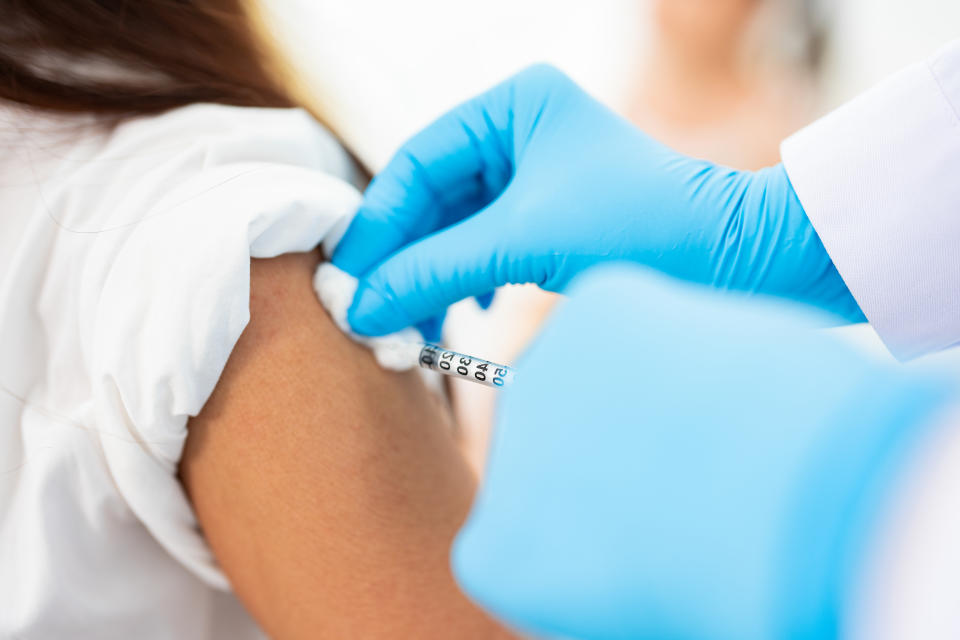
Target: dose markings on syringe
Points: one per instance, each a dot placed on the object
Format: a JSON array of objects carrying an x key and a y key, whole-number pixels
[{"x": 459, "y": 365}]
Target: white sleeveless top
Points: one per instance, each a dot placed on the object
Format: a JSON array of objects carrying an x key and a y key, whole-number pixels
[{"x": 124, "y": 285}]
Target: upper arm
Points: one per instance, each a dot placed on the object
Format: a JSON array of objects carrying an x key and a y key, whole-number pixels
[{"x": 329, "y": 489}]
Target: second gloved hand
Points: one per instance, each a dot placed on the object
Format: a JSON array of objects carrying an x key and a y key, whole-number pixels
[
  {"x": 676, "y": 463},
  {"x": 534, "y": 181}
]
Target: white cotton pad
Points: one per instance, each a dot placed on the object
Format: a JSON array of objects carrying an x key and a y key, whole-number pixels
[{"x": 397, "y": 351}]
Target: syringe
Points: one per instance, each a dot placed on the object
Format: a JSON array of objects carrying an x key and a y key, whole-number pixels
[{"x": 459, "y": 365}]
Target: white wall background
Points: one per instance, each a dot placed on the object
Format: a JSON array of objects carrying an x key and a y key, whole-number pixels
[
  {"x": 386, "y": 68},
  {"x": 874, "y": 38}
]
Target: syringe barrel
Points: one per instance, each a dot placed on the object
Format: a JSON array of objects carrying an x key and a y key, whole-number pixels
[{"x": 459, "y": 365}]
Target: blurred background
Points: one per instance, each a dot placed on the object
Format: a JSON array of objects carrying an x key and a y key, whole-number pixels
[{"x": 725, "y": 80}]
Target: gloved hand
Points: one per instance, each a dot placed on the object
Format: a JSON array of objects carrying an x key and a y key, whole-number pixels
[
  {"x": 534, "y": 180},
  {"x": 673, "y": 462}
]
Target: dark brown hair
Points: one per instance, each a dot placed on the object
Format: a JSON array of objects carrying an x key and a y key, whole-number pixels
[{"x": 135, "y": 56}]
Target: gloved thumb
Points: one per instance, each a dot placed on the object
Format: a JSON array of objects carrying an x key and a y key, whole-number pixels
[{"x": 421, "y": 280}]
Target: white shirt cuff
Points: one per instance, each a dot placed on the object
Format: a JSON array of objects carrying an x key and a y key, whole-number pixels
[{"x": 879, "y": 179}]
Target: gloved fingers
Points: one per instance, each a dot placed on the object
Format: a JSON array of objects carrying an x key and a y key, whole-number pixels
[
  {"x": 485, "y": 300},
  {"x": 428, "y": 276},
  {"x": 432, "y": 328},
  {"x": 452, "y": 169},
  {"x": 448, "y": 171}
]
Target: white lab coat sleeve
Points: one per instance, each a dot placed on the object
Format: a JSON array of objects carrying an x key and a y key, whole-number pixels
[{"x": 879, "y": 179}]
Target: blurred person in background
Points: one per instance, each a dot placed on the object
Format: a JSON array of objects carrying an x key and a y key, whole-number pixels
[
  {"x": 179, "y": 418},
  {"x": 727, "y": 80}
]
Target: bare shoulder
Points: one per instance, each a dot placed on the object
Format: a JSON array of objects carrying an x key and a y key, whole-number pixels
[{"x": 329, "y": 489}]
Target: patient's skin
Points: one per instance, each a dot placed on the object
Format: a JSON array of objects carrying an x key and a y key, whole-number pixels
[{"x": 329, "y": 489}]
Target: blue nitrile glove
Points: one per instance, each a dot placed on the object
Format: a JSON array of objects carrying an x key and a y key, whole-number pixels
[
  {"x": 677, "y": 463},
  {"x": 534, "y": 180}
]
